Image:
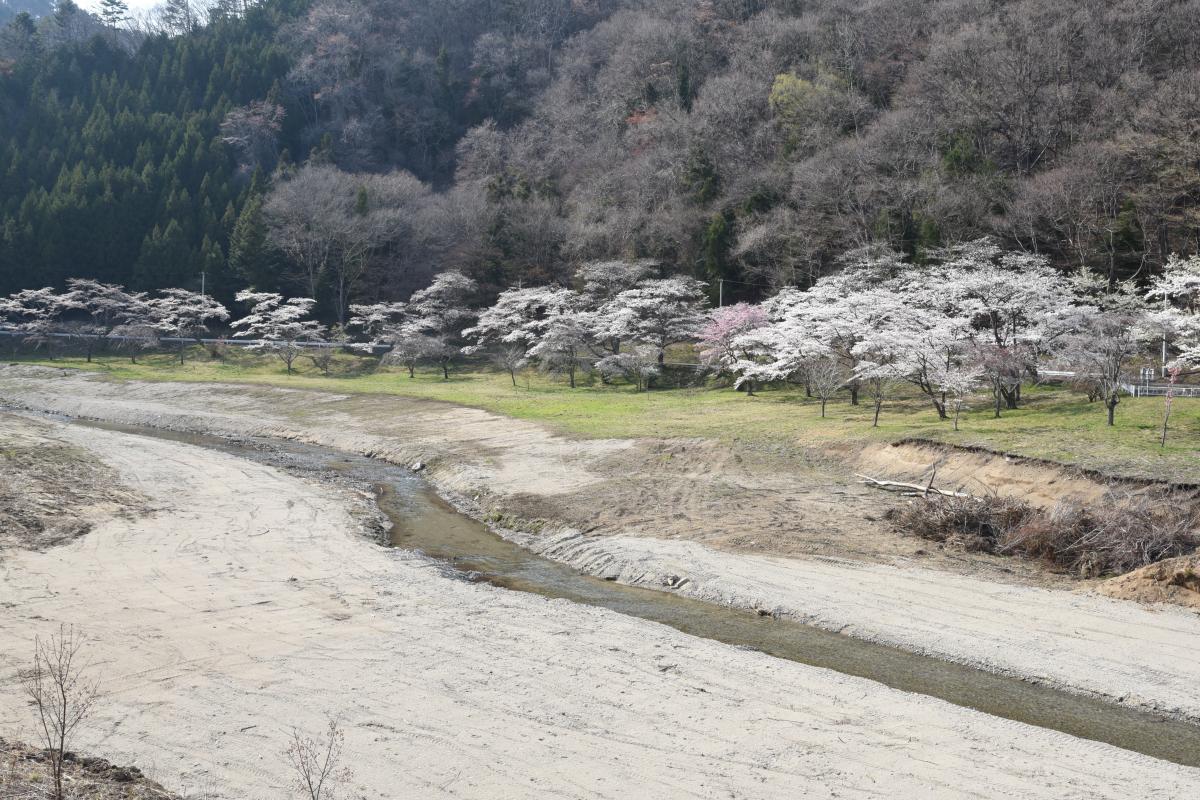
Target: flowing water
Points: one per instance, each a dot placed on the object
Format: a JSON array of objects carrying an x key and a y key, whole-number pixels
[{"x": 422, "y": 521}]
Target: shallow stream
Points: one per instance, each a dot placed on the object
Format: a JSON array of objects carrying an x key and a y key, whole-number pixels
[{"x": 422, "y": 521}]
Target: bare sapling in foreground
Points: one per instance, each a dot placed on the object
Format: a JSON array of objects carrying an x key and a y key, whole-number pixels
[
  {"x": 61, "y": 694},
  {"x": 316, "y": 763}
]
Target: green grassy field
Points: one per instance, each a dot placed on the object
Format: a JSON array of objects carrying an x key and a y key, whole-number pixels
[{"x": 1053, "y": 423}]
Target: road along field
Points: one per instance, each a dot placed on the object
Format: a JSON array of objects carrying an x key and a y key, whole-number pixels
[
  {"x": 793, "y": 536},
  {"x": 241, "y": 601}
]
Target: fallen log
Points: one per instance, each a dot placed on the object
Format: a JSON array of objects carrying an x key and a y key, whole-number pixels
[{"x": 908, "y": 489}]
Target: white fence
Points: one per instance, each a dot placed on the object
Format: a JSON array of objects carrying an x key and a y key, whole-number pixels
[{"x": 1160, "y": 390}]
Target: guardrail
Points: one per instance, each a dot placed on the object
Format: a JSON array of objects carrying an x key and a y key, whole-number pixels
[{"x": 181, "y": 340}]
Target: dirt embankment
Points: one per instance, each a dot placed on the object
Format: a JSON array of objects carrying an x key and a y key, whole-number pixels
[
  {"x": 25, "y": 774},
  {"x": 710, "y": 521},
  {"x": 51, "y": 491},
  {"x": 1044, "y": 485},
  {"x": 249, "y": 602},
  {"x": 979, "y": 472}
]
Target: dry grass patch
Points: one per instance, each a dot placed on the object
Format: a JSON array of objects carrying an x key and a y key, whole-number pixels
[{"x": 52, "y": 492}]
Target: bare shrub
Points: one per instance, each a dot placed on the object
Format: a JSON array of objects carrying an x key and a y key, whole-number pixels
[
  {"x": 317, "y": 762},
  {"x": 1124, "y": 531},
  {"x": 1118, "y": 535},
  {"x": 974, "y": 523},
  {"x": 60, "y": 693}
]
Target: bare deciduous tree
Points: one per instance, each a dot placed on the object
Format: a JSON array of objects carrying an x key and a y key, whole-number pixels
[
  {"x": 316, "y": 762},
  {"x": 61, "y": 694},
  {"x": 824, "y": 376}
]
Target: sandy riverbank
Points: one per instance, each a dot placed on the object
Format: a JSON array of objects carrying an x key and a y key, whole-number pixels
[
  {"x": 795, "y": 537},
  {"x": 247, "y": 602}
]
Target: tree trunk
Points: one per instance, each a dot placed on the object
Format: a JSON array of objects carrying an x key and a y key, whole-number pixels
[
  {"x": 412, "y": 369},
  {"x": 1111, "y": 403},
  {"x": 750, "y": 388},
  {"x": 445, "y": 369},
  {"x": 853, "y": 395},
  {"x": 878, "y": 406},
  {"x": 512, "y": 373},
  {"x": 1012, "y": 396},
  {"x": 571, "y": 376},
  {"x": 940, "y": 407},
  {"x": 823, "y": 402}
]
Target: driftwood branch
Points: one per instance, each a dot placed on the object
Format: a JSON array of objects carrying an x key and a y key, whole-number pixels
[{"x": 909, "y": 489}]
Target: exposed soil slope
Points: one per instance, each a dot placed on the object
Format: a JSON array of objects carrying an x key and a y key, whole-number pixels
[
  {"x": 248, "y": 603},
  {"x": 1175, "y": 581}
]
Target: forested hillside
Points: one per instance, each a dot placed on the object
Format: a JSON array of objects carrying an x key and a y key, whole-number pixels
[
  {"x": 35, "y": 8},
  {"x": 351, "y": 148}
]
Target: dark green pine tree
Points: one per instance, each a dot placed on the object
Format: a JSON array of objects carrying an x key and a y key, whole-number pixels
[
  {"x": 249, "y": 252},
  {"x": 718, "y": 238},
  {"x": 166, "y": 260},
  {"x": 114, "y": 13}
]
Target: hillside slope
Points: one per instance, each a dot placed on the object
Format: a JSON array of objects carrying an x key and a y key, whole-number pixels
[{"x": 750, "y": 140}]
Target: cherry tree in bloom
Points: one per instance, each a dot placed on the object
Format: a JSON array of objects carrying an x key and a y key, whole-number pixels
[
  {"x": 1179, "y": 285},
  {"x": 850, "y": 325},
  {"x": 277, "y": 325},
  {"x": 1176, "y": 294},
  {"x": 376, "y": 322},
  {"x": 442, "y": 306},
  {"x": 521, "y": 317},
  {"x": 657, "y": 312},
  {"x": 182, "y": 315},
  {"x": 975, "y": 312},
  {"x": 720, "y": 336},
  {"x": 880, "y": 351},
  {"x": 563, "y": 345},
  {"x": 437, "y": 315},
  {"x": 782, "y": 349},
  {"x": 932, "y": 345},
  {"x": 638, "y": 363},
  {"x": 955, "y": 383},
  {"x": 34, "y": 314},
  {"x": 1012, "y": 300},
  {"x": 1100, "y": 346},
  {"x": 401, "y": 334},
  {"x": 106, "y": 307}
]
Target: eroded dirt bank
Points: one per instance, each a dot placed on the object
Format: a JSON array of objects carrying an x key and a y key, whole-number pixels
[
  {"x": 695, "y": 517},
  {"x": 247, "y": 602}
]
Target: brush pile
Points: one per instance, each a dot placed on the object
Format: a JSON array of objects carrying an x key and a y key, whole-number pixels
[{"x": 1124, "y": 532}]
